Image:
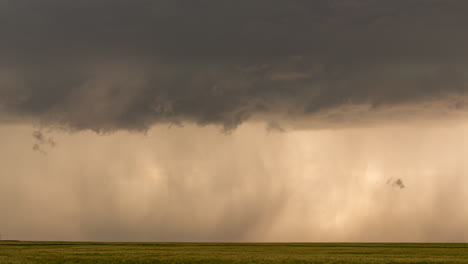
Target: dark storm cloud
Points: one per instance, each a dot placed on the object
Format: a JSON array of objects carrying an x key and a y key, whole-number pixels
[{"x": 106, "y": 65}]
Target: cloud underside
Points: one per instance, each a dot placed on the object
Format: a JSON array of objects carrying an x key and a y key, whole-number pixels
[{"x": 131, "y": 64}]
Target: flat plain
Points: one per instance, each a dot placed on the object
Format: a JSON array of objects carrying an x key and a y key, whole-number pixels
[{"x": 82, "y": 252}]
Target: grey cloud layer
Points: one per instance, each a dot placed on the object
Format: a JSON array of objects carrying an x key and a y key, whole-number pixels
[{"x": 106, "y": 65}]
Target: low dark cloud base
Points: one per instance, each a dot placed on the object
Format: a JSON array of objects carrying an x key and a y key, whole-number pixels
[{"x": 107, "y": 65}]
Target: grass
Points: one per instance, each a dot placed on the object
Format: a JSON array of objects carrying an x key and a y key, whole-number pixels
[{"x": 71, "y": 252}]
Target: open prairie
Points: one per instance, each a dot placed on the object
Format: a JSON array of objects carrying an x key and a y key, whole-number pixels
[{"x": 72, "y": 252}]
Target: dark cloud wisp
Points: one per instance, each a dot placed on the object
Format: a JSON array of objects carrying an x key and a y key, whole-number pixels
[
  {"x": 398, "y": 183},
  {"x": 42, "y": 142},
  {"x": 106, "y": 65}
]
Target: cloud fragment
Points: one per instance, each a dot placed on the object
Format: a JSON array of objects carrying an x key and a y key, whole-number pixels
[
  {"x": 398, "y": 183},
  {"x": 42, "y": 142}
]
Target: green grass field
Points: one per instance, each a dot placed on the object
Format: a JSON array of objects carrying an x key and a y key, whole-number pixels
[{"x": 68, "y": 252}]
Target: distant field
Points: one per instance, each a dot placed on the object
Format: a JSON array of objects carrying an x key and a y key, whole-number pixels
[{"x": 65, "y": 252}]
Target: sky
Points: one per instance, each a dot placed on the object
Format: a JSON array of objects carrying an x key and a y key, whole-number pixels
[{"x": 236, "y": 121}]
